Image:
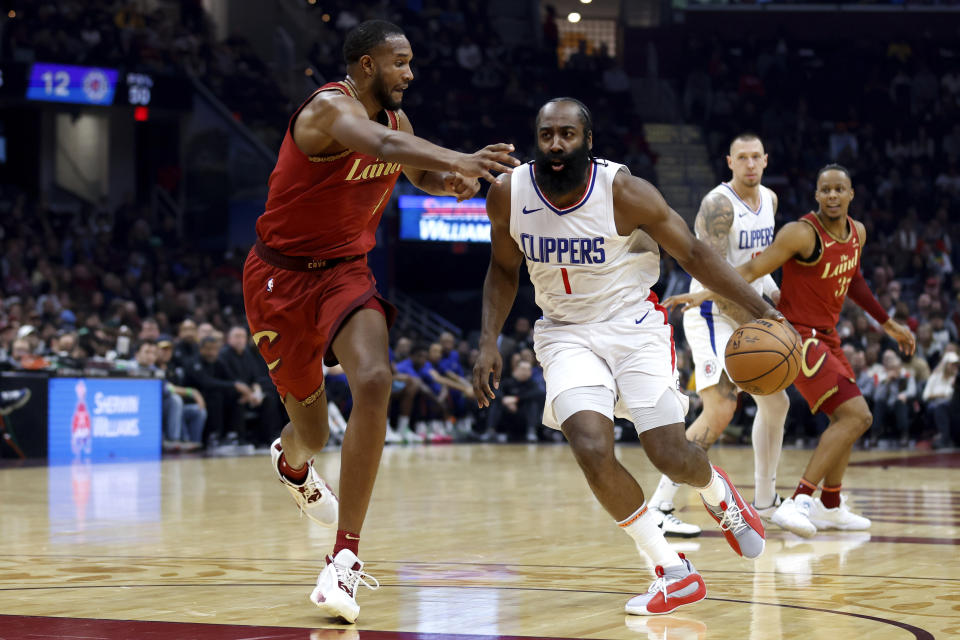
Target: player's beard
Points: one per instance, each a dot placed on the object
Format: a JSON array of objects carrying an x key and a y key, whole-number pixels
[
  {"x": 560, "y": 183},
  {"x": 382, "y": 93}
]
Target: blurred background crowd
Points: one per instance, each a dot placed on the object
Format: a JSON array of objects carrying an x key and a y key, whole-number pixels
[{"x": 127, "y": 288}]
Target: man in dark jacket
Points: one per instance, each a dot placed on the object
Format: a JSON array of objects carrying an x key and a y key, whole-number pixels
[
  {"x": 240, "y": 362},
  {"x": 518, "y": 404}
]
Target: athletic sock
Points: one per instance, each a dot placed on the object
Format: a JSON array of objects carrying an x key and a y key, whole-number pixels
[
  {"x": 347, "y": 540},
  {"x": 767, "y": 437},
  {"x": 646, "y": 533},
  {"x": 715, "y": 491},
  {"x": 403, "y": 424},
  {"x": 804, "y": 487},
  {"x": 830, "y": 496},
  {"x": 665, "y": 493},
  {"x": 296, "y": 476}
]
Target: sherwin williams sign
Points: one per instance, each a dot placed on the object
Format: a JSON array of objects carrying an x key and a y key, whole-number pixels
[
  {"x": 104, "y": 419},
  {"x": 443, "y": 219}
]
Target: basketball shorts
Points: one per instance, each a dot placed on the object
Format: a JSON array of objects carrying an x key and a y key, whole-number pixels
[
  {"x": 294, "y": 317},
  {"x": 633, "y": 356},
  {"x": 826, "y": 379},
  {"x": 707, "y": 332}
]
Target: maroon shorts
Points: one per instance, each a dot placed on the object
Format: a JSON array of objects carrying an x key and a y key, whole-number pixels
[
  {"x": 294, "y": 317},
  {"x": 826, "y": 380}
]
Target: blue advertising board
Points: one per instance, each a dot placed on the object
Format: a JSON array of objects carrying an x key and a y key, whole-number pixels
[
  {"x": 443, "y": 219},
  {"x": 102, "y": 419},
  {"x": 70, "y": 83}
]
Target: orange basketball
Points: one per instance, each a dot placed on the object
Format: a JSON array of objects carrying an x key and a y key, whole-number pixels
[{"x": 763, "y": 356}]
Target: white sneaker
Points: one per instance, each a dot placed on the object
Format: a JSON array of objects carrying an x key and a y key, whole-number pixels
[
  {"x": 314, "y": 497},
  {"x": 673, "y": 526},
  {"x": 837, "y": 518},
  {"x": 392, "y": 436},
  {"x": 766, "y": 514},
  {"x": 793, "y": 514},
  {"x": 336, "y": 590}
]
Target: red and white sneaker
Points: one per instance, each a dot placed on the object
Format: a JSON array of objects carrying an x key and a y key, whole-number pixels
[
  {"x": 674, "y": 587},
  {"x": 336, "y": 590},
  {"x": 739, "y": 521},
  {"x": 314, "y": 497}
]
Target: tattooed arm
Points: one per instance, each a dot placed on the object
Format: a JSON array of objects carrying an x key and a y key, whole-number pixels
[{"x": 713, "y": 223}]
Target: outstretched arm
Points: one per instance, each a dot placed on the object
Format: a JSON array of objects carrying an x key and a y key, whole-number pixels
[
  {"x": 438, "y": 183},
  {"x": 499, "y": 290},
  {"x": 638, "y": 204},
  {"x": 326, "y": 119},
  {"x": 795, "y": 238},
  {"x": 861, "y": 294}
]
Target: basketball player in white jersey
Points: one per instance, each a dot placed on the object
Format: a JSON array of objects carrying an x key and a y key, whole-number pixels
[
  {"x": 736, "y": 218},
  {"x": 589, "y": 233}
]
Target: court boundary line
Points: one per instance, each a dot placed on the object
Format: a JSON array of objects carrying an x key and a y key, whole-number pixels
[{"x": 918, "y": 633}]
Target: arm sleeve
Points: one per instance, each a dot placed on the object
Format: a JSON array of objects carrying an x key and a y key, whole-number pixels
[
  {"x": 769, "y": 286},
  {"x": 860, "y": 293}
]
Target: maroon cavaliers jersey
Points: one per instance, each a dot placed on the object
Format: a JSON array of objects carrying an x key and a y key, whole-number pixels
[
  {"x": 812, "y": 293},
  {"x": 326, "y": 206}
]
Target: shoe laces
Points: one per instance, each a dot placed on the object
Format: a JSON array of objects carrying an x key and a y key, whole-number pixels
[
  {"x": 350, "y": 578},
  {"x": 732, "y": 518},
  {"x": 660, "y": 584},
  {"x": 672, "y": 519}
]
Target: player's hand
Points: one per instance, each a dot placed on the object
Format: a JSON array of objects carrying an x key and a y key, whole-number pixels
[
  {"x": 489, "y": 361},
  {"x": 775, "y": 297},
  {"x": 903, "y": 336},
  {"x": 493, "y": 157},
  {"x": 463, "y": 188},
  {"x": 688, "y": 300},
  {"x": 776, "y": 316}
]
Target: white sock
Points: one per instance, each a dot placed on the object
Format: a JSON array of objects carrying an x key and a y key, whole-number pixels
[
  {"x": 767, "y": 442},
  {"x": 665, "y": 493},
  {"x": 403, "y": 424},
  {"x": 715, "y": 491},
  {"x": 643, "y": 528}
]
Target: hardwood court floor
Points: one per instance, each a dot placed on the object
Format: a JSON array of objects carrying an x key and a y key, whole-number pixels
[{"x": 484, "y": 540}]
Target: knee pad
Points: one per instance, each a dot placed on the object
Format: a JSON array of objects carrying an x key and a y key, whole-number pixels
[
  {"x": 668, "y": 410},
  {"x": 596, "y": 398}
]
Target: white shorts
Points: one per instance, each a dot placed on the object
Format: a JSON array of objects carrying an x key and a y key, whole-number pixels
[
  {"x": 632, "y": 356},
  {"x": 707, "y": 332}
]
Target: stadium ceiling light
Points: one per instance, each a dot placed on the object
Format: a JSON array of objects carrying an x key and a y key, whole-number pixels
[
  {"x": 585, "y": 1},
  {"x": 573, "y": 16}
]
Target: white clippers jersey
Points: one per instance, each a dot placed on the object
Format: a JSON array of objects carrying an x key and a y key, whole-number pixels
[
  {"x": 750, "y": 233},
  {"x": 581, "y": 268}
]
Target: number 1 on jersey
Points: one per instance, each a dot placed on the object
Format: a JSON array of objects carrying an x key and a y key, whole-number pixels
[{"x": 566, "y": 279}]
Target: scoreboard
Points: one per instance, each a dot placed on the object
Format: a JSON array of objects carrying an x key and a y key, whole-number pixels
[
  {"x": 69, "y": 83},
  {"x": 95, "y": 86}
]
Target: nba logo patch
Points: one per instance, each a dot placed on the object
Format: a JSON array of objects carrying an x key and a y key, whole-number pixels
[
  {"x": 710, "y": 367},
  {"x": 270, "y": 284}
]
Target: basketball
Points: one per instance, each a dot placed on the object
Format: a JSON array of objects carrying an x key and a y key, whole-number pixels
[{"x": 763, "y": 357}]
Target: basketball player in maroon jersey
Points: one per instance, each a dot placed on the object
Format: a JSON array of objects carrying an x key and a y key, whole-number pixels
[
  {"x": 310, "y": 295},
  {"x": 820, "y": 255}
]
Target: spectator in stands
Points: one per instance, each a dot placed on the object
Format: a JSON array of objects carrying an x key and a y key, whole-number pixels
[
  {"x": 425, "y": 394},
  {"x": 224, "y": 396},
  {"x": 893, "y": 400},
  {"x": 239, "y": 362},
  {"x": 184, "y": 409},
  {"x": 187, "y": 346},
  {"x": 938, "y": 396},
  {"x": 149, "y": 330},
  {"x": 517, "y": 409},
  {"x": 144, "y": 361}
]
